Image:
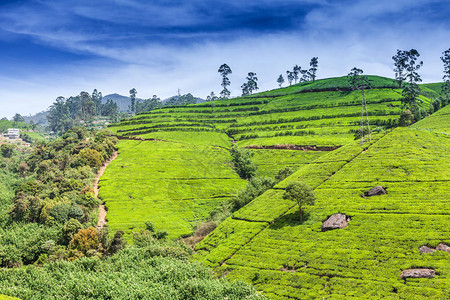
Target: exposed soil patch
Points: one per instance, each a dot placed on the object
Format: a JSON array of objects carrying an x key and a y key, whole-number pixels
[
  {"x": 136, "y": 138},
  {"x": 200, "y": 233},
  {"x": 102, "y": 209},
  {"x": 294, "y": 147}
]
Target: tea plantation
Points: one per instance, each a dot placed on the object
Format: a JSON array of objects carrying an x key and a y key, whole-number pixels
[
  {"x": 174, "y": 168},
  {"x": 265, "y": 244},
  {"x": 170, "y": 183}
]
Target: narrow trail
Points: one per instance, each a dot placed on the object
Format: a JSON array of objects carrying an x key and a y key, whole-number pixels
[{"x": 102, "y": 208}]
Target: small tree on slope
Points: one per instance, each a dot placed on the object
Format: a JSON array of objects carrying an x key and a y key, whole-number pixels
[{"x": 300, "y": 192}]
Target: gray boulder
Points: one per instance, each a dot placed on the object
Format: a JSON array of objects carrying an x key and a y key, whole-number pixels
[
  {"x": 417, "y": 273},
  {"x": 336, "y": 221},
  {"x": 426, "y": 249},
  {"x": 443, "y": 247},
  {"x": 378, "y": 190}
]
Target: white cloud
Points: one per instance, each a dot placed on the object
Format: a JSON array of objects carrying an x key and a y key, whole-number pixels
[{"x": 341, "y": 37}]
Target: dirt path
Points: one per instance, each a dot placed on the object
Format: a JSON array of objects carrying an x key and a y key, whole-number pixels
[{"x": 102, "y": 207}]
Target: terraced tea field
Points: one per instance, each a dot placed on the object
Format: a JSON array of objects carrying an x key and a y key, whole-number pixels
[
  {"x": 192, "y": 139},
  {"x": 265, "y": 244},
  {"x": 438, "y": 122},
  {"x": 323, "y": 113},
  {"x": 172, "y": 184}
]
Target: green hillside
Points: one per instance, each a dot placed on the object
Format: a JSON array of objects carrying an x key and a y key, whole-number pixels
[
  {"x": 266, "y": 245},
  {"x": 174, "y": 168},
  {"x": 171, "y": 183},
  {"x": 438, "y": 122},
  {"x": 324, "y": 113},
  {"x": 5, "y": 124},
  {"x": 181, "y": 185}
]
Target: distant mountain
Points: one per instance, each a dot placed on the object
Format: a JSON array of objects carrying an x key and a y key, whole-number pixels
[
  {"x": 40, "y": 118},
  {"x": 123, "y": 102}
]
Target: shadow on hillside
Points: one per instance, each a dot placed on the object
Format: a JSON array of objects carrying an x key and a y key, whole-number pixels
[{"x": 291, "y": 219}]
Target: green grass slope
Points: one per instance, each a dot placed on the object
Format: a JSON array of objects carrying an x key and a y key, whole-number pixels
[
  {"x": 438, "y": 122},
  {"x": 3, "y": 297},
  {"x": 325, "y": 113},
  {"x": 265, "y": 244},
  {"x": 172, "y": 184},
  {"x": 165, "y": 171},
  {"x": 5, "y": 124}
]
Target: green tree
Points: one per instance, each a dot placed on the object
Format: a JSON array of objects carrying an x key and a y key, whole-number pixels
[
  {"x": 242, "y": 161},
  {"x": 290, "y": 77},
  {"x": 110, "y": 108},
  {"x": 357, "y": 81},
  {"x": 284, "y": 173},
  {"x": 148, "y": 104},
  {"x": 255, "y": 187},
  {"x": 399, "y": 67},
  {"x": 312, "y": 72},
  {"x": 245, "y": 89},
  {"x": 69, "y": 229},
  {"x": 224, "y": 71},
  {"x": 446, "y": 87},
  {"x": 411, "y": 91},
  {"x": 87, "y": 106},
  {"x": 296, "y": 72},
  {"x": 251, "y": 84},
  {"x": 133, "y": 93},
  {"x": 97, "y": 99},
  {"x": 211, "y": 97},
  {"x": 280, "y": 80},
  {"x": 301, "y": 193},
  {"x": 7, "y": 150},
  {"x": 18, "y": 118}
]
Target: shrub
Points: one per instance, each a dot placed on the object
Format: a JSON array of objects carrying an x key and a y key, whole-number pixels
[
  {"x": 242, "y": 162},
  {"x": 75, "y": 212},
  {"x": 85, "y": 239},
  {"x": 255, "y": 187},
  {"x": 69, "y": 229},
  {"x": 406, "y": 118},
  {"x": 284, "y": 173},
  {"x": 60, "y": 212},
  {"x": 91, "y": 158},
  {"x": 117, "y": 243},
  {"x": 7, "y": 150}
]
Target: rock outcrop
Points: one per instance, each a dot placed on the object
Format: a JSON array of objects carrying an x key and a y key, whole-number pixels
[
  {"x": 418, "y": 273},
  {"x": 336, "y": 221},
  {"x": 378, "y": 190},
  {"x": 443, "y": 247},
  {"x": 426, "y": 249}
]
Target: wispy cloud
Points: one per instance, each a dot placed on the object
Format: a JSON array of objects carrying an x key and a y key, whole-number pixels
[{"x": 160, "y": 46}]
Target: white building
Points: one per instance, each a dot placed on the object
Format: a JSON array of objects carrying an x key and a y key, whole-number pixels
[{"x": 13, "y": 133}]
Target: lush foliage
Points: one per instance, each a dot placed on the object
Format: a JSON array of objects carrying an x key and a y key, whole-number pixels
[
  {"x": 242, "y": 161},
  {"x": 65, "y": 114},
  {"x": 43, "y": 210},
  {"x": 154, "y": 270}
]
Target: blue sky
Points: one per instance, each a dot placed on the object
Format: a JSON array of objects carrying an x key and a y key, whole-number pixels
[{"x": 59, "y": 48}]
